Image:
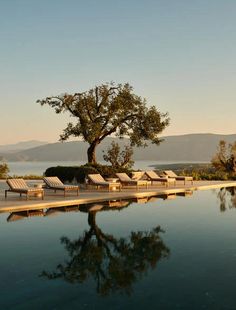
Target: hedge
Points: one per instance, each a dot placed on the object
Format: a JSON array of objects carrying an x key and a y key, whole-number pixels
[{"x": 79, "y": 173}]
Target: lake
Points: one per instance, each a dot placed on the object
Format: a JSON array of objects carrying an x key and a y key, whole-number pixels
[
  {"x": 38, "y": 168},
  {"x": 151, "y": 253}
]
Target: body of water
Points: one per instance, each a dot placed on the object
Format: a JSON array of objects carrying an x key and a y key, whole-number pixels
[
  {"x": 151, "y": 253},
  {"x": 38, "y": 168}
]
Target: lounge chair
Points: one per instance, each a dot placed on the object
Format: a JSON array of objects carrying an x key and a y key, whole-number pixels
[
  {"x": 20, "y": 186},
  {"x": 126, "y": 180},
  {"x": 55, "y": 184},
  {"x": 154, "y": 177},
  {"x": 171, "y": 174},
  {"x": 138, "y": 175},
  {"x": 98, "y": 180}
]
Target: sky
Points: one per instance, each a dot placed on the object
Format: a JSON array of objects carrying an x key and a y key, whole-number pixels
[{"x": 179, "y": 55}]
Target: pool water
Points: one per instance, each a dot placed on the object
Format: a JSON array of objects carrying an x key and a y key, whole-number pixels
[{"x": 163, "y": 254}]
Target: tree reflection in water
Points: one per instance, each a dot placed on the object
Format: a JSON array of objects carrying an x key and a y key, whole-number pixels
[
  {"x": 114, "y": 263},
  {"x": 227, "y": 197}
]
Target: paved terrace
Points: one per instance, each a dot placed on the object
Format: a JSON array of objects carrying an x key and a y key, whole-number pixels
[{"x": 15, "y": 203}]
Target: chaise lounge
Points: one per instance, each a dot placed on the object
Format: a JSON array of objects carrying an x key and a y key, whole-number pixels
[
  {"x": 171, "y": 174},
  {"x": 138, "y": 175},
  {"x": 20, "y": 186},
  {"x": 126, "y": 180},
  {"x": 54, "y": 183},
  {"x": 98, "y": 180},
  {"x": 154, "y": 177}
]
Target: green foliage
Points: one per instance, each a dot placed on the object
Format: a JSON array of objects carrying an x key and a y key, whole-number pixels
[
  {"x": 68, "y": 174},
  {"x": 209, "y": 174},
  {"x": 109, "y": 171},
  {"x": 4, "y": 170},
  {"x": 118, "y": 158},
  {"x": 225, "y": 158},
  {"x": 199, "y": 171},
  {"x": 109, "y": 109},
  {"x": 27, "y": 177}
]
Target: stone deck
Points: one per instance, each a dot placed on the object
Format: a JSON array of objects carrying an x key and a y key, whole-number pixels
[{"x": 15, "y": 203}]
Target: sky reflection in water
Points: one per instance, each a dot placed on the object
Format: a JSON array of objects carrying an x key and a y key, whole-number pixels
[{"x": 177, "y": 253}]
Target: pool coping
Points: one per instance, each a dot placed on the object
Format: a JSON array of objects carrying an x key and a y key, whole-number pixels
[{"x": 98, "y": 196}]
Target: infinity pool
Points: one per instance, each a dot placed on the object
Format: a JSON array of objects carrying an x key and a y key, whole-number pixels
[{"x": 161, "y": 253}]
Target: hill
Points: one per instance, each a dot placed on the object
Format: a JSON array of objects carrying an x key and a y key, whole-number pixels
[
  {"x": 20, "y": 146},
  {"x": 191, "y": 147}
]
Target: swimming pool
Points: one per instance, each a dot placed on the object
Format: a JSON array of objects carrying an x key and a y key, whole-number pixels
[{"x": 171, "y": 253}]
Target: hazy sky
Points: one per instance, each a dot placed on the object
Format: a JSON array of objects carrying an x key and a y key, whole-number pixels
[{"x": 178, "y": 54}]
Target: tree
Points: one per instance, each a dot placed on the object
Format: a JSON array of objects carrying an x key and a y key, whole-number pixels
[
  {"x": 113, "y": 263},
  {"x": 118, "y": 158},
  {"x": 225, "y": 158},
  {"x": 4, "y": 169},
  {"x": 105, "y": 110}
]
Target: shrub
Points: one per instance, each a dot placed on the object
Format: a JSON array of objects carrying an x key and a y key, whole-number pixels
[
  {"x": 68, "y": 174},
  {"x": 225, "y": 158},
  {"x": 118, "y": 158},
  {"x": 4, "y": 169},
  {"x": 79, "y": 173},
  {"x": 109, "y": 171},
  {"x": 210, "y": 174}
]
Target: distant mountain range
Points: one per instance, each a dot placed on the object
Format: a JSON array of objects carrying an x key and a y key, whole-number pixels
[
  {"x": 20, "y": 146},
  {"x": 191, "y": 147}
]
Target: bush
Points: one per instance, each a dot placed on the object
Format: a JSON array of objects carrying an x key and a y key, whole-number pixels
[
  {"x": 4, "y": 169},
  {"x": 109, "y": 171},
  {"x": 79, "y": 173},
  {"x": 209, "y": 174},
  {"x": 118, "y": 158},
  {"x": 26, "y": 177},
  {"x": 68, "y": 174}
]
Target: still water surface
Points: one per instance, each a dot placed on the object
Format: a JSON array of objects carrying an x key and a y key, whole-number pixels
[{"x": 163, "y": 254}]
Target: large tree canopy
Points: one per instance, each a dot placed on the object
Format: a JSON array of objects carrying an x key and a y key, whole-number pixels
[{"x": 109, "y": 109}]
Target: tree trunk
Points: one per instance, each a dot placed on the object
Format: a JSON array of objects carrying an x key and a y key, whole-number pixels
[
  {"x": 91, "y": 153},
  {"x": 92, "y": 219}
]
